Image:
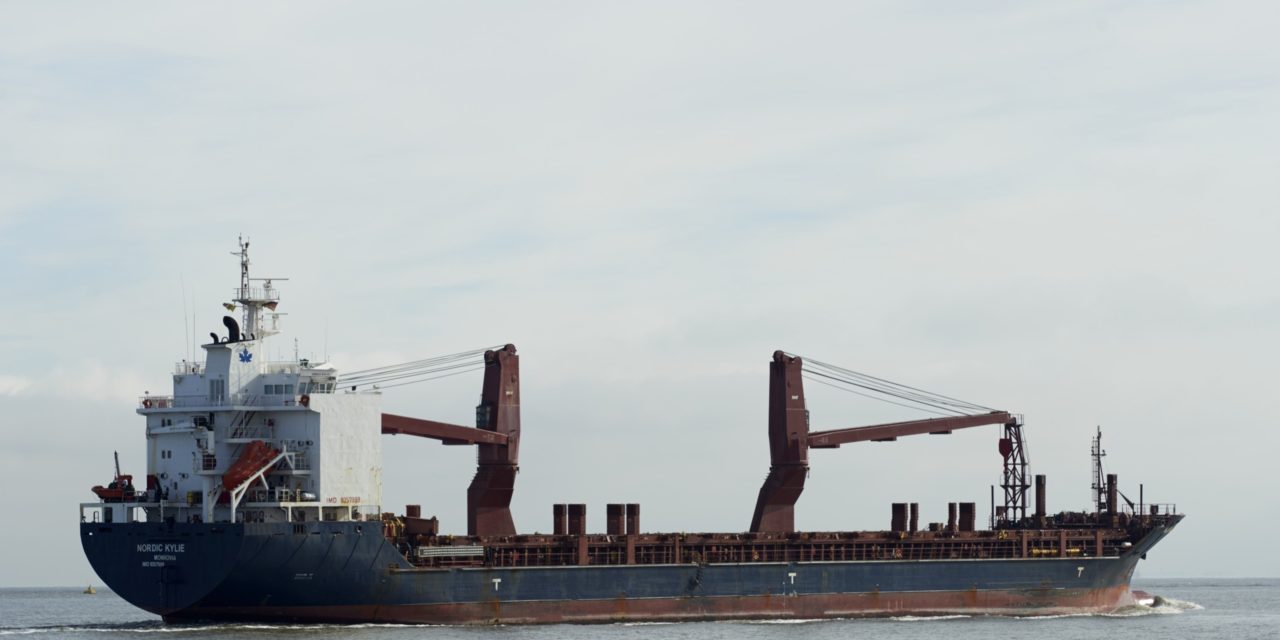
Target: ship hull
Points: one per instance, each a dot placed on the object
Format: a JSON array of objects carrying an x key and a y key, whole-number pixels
[
  {"x": 621, "y": 609},
  {"x": 346, "y": 572}
]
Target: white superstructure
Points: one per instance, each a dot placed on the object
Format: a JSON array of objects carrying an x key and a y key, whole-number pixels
[{"x": 296, "y": 447}]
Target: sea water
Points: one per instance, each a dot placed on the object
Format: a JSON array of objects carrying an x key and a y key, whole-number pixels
[{"x": 1235, "y": 609}]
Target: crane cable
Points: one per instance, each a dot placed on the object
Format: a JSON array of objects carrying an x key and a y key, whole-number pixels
[
  {"x": 867, "y": 395},
  {"x": 920, "y": 399},
  {"x": 415, "y": 371}
]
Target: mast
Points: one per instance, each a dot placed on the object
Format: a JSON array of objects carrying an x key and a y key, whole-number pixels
[
  {"x": 254, "y": 300},
  {"x": 1099, "y": 483},
  {"x": 1014, "y": 481},
  {"x": 242, "y": 294}
]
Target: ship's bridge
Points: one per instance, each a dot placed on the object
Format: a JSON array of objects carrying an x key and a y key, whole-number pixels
[{"x": 278, "y": 384}]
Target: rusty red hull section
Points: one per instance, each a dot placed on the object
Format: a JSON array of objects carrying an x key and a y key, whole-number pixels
[{"x": 971, "y": 602}]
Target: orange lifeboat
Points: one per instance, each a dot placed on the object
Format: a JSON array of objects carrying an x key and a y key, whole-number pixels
[
  {"x": 253, "y": 459},
  {"x": 120, "y": 490}
]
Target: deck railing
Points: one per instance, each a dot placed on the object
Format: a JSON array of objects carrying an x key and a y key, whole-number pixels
[
  {"x": 699, "y": 549},
  {"x": 245, "y": 399}
]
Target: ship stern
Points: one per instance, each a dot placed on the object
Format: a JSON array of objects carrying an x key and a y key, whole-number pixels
[{"x": 162, "y": 567}]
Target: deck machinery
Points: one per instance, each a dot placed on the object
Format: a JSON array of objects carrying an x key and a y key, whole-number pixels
[{"x": 771, "y": 538}]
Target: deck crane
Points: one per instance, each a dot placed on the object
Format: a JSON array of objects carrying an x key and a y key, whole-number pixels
[
  {"x": 497, "y": 433},
  {"x": 790, "y": 440}
]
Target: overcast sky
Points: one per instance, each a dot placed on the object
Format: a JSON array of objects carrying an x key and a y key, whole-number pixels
[{"x": 1066, "y": 210}]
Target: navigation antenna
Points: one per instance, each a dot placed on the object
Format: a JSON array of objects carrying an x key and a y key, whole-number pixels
[
  {"x": 1099, "y": 484},
  {"x": 253, "y": 300},
  {"x": 242, "y": 294}
]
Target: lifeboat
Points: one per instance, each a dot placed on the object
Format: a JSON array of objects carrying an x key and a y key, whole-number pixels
[
  {"x": 119, "y": 490},
  {"x": 255, "y": 457}
]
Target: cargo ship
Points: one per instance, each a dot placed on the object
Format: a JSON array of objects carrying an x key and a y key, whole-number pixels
[{"x": 262, "y": 502}]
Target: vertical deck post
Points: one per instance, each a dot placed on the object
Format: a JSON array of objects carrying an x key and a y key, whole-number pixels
[
  {"x": 788, "y": 447},
  {"x": 489, "y": 496}
]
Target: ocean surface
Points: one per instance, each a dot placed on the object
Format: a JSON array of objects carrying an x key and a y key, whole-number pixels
[{"x": 1204, "y": 608}]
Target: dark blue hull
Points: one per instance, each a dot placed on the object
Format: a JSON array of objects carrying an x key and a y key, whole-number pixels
[{"x": 348, "y": 572}]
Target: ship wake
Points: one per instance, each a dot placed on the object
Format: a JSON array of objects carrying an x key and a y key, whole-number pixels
[{"x": 1157, "y": 605}]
